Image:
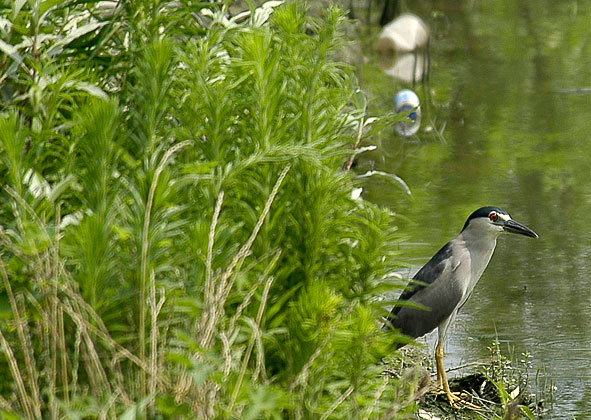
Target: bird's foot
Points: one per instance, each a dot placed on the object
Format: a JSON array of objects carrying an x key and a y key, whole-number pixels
[{"x": 458, "y": 401}]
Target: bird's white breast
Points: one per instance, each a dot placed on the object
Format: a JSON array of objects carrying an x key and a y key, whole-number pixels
[{"x": 475, "y": 250}]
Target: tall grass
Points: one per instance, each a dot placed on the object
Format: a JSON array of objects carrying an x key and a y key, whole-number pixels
[{"x": 178, "y": 236}]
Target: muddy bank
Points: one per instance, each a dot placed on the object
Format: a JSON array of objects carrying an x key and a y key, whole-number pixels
[{"x": 498, "y": 388}]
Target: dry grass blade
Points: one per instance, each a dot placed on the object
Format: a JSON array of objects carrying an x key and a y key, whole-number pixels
[
  {"x": 16, "y": 374},
  {"x": 251, "y": 293},
  {"x": 144, "y": 254},
  {"x": 30, "y": 211},
  {"x": 57, "y": 323},
  {"x": 4, "y": 404},
  {"x": 97, "y": 373},
  {"x": 64, "y": 355},
  {"x": 155, "y": 309},
  {"x": 104, "y": 414},
  {"x": 260, "y": 362},
  {"x": 54, "y": 337},
  {"x": 301, "y": 378},
  {"x": 242, "y": 254},
  {"x": 251, "y": 343},
  {"x": 209, "y": 294},
  {"x": 214, "y": 312},
  {"x": 102, "y": 334},
  {"x": 29, "y": 359},
  {"x": 338, "y": 402},
  {"x": 227, "y": 353},
  {"x": 209, "y": 287},
  {"x": 76, "y": 360}
]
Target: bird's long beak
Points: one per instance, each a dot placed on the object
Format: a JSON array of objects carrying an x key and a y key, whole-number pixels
[{"x": 516, "y": 227}]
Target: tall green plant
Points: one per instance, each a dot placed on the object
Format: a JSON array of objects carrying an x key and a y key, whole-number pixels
[{"x": 189, "y": 246}]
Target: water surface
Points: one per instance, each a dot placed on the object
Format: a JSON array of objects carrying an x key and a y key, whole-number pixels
[{"x": 507, "y": 92}]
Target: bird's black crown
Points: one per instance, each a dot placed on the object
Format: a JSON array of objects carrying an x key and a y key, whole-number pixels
[{"x": 484, "y": 212}]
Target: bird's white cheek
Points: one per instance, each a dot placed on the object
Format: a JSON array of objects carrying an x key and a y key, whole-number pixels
[{"x": 495, "y": 230}]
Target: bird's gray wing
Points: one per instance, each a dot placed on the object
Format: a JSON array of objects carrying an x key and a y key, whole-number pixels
[
  {"x": 434, "y": 288},
  {"x": 426, "y": 275}
]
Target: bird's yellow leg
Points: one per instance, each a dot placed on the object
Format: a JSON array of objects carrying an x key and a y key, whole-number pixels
[
  {"x": 440, "y": 368},
  {"x": 453, "y": 397},
  {"x": 441, "y": 378}
]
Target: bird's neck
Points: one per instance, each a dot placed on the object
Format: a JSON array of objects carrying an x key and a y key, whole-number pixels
[{"x": 481, "y": 248}]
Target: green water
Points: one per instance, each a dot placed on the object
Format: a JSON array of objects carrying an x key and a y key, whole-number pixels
[{"x": 515, "y": 133}]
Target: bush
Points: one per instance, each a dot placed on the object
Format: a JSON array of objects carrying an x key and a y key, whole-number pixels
[{"x": 179, "y": 237}]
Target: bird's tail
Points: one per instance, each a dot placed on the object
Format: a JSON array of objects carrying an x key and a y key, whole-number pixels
[{"x": 401, "y": 339}]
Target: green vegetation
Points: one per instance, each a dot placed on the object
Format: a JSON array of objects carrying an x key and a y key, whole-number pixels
[{"x": 178, "y": 235}]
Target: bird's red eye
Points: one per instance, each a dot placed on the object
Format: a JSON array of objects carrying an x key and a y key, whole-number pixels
[{"x": 493, "y": 216}]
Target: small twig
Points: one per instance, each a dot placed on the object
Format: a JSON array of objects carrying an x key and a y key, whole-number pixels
[
  {"x": 467, "y": 365},
  {"x": 357, "y": 144}
]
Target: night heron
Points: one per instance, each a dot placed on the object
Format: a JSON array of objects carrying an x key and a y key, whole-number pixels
[{"x": 445, "y": 283}]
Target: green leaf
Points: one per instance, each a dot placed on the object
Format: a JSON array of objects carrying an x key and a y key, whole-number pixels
[
  {"x": 170, "y": 408},
  {"x": 526, "y": 411},
  {"x": 201, "y": 372},
  {"x": 11, "y": 51},
  {"x": 180, "y": 359},
  {"x": 263, "y": 402},
  {"x": 9, "y": 415},
  {"x": 137, "y": 410},
  {"x": 76, "y": 33},
  {"x": 90, "y": 88}
]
